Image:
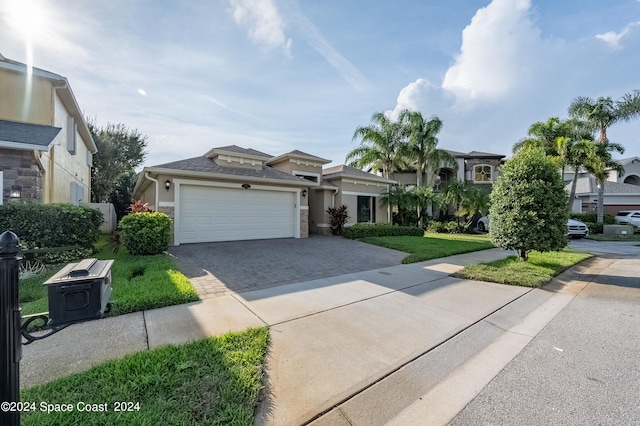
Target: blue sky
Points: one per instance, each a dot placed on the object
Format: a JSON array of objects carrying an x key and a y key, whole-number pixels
[{"x": 279, "y": 75}]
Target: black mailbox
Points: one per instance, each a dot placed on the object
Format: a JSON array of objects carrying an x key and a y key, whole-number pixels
[{"x": 80, "y": 291}]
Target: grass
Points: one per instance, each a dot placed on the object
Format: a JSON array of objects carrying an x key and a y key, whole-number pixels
[
  {"x": 432, "y": 245},
  {"x": 214, "y": 381},
  {"x": 138, "y": 282},
  {"x": 536, "y": 272}
]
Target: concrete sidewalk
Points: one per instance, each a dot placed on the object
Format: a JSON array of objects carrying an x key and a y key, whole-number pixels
[{"x": 336, "y": 343}]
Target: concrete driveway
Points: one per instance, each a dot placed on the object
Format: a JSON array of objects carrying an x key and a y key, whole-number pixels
[{"x": 218, "y": 269}]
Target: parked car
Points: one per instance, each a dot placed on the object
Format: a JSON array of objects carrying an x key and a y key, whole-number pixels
[
  {"x": 630, "y": 217},
  {"x": 575, "y": 228}
]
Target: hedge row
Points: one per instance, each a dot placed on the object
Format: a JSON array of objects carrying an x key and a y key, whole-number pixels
[
  {"x": 51, "y": 225},
  {"x": 363, "y": 230},
  {"x": 593, "y": 218}
]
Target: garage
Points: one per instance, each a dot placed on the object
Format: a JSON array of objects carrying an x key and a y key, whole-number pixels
[{"x": 212, "y": 213}]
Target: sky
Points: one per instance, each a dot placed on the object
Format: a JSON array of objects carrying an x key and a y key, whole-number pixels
[{"x": 281, "y": 75}]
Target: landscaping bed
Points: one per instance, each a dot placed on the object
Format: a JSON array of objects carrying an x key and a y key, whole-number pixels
[{"x": 214, "y": 381}]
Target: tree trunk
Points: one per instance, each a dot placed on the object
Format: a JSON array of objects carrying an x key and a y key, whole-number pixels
[
  {"x": 574, "y": 184},
  {"x": 600, "y": 202},
  {"x": 524, "y": 256}
]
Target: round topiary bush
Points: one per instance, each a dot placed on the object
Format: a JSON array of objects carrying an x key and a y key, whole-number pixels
[{"x": 145, "y": 233}]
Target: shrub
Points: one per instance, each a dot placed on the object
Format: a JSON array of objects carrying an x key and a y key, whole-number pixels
[
  {"x": 339, "y": 216},
  {"x": 436, "y": 226},
  {"x": 593, "y": 218},
  {"x": 363, "y": 230},
  {"x": 52, "y": 225},
  {"x": 145, "y": 233},
  {"x": 594, "y": 227},
  {"x": 529, "y": 205}
]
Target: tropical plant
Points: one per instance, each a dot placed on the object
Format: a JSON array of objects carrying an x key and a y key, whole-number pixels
[
  {"x": 422, "y": 149},
  {"x": 600, "y": 114},
  {"x": 398, "y": 199},
  {"x": 544, "y": 135},
  {"x": 381, "y": 147},
  {"x": 475, "y": 203},
  {"x": 454, "y": 193},
  {"x": 339, "y": 216},
  {"x": 423, "y": 198},
  {"x": 528, "y": 205},
  {"x": 599, "y": 161}
]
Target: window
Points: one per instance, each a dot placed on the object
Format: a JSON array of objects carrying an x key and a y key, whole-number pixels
[
  {"x": 482, "y": 173},
  {"x": 366, "y": 209},
  {"x": 71, "y": 135}
]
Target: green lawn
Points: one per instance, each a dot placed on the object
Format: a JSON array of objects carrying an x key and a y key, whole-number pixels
[
  {"x": 536, "y": 272},
  {"x": 139, "y": 283},
  {"x": 215, "y": 381},
  {"x": 432, "y": 245}
]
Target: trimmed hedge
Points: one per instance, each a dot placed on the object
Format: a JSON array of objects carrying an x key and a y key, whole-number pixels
[
  {"x": 363, "y": 230},
  {"x": 145, "y": 233},
  {"x": 593, "y": 218},
  {"x": 51, "y": 225}
]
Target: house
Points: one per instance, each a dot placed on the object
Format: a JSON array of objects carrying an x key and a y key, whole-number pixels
[
  {"x": 233, "y": 193},
  {"x": 475, "y": 167},
  {"x": 46, "y": 149},
  {"x": 621, "y": 192}
]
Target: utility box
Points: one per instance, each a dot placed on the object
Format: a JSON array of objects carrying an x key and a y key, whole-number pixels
[{"x": 80, "y": 291}]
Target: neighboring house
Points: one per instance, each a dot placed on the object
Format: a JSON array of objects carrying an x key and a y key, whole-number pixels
[
  {"x": 46, "y": 149},
  {"x": 475, "y": 167},
  {"x": 621, "y": 192},
  {"x": 617, "y": 196},
  {"x": 233, "y": 193}
]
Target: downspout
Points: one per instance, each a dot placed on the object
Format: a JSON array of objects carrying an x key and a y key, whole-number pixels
[
  {"x": 51, "y": 173},
  {"x": 146, "y": 175},
  {"x": 333, "y": 197}
]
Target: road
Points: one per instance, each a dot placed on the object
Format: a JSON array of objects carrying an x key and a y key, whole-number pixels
[{"x": 583, "y": 368}]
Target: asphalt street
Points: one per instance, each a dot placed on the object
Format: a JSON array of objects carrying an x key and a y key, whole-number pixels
[{"x": 583, "y": 368}]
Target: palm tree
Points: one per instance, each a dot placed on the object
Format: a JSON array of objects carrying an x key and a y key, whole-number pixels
[
  {"x": 475, "y": 202},
  {"x": 577, "y": 155},
  {"x": 398, "y": 198},
  {"x": 599, "y": 162},
  {"x": 600, "y": 114},
  {"x": 603, "y": 112},
  {"x": 544, "y": 135},
  {"x": 382, "y": 146},
  {"x": 454, "y": 193},
  {"x": 423, "y": 197},
  {"x": 423, "y": 145}
]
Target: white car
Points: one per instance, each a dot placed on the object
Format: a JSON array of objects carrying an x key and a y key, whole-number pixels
[
  {"x": 575, "y": 228},
  {"x": 631, "y": 217}
]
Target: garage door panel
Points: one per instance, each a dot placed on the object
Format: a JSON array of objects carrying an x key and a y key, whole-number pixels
[{"x": 226, "y": 214}]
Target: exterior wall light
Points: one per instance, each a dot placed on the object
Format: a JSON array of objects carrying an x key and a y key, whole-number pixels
[
  {"x": 16, "y": 191},
  {"x": 304, "y": 192},
  {"x": 167, "y": 184}
]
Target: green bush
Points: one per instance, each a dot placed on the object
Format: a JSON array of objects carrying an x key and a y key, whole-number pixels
[
  {"x": 51, "y": 225},
  {"x": 145, "y": 233},
  {"x": 436, "y": 227},
  {"x": 595, "y": 228},
  {"x": 593, "y": 218},
  {"x": 363, "y": 230}
]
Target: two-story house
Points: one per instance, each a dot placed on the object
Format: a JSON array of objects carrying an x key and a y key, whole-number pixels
[{"x": 46, "y": 149}]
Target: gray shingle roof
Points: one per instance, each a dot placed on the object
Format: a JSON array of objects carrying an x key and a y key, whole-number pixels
[
  {"x": 344, "y": 170},
  {"x": 587, "y": 185},
  {"x": 207, "y": 165},
  {"x": 240, "y": 150},
  {"x": 28, "y": 134}
]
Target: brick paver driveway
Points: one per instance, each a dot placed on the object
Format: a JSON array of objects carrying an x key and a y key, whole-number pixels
[{"x": 216, "y": 269}]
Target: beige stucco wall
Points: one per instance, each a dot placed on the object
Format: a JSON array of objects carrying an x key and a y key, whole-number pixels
[
  {"x": 67, "y": 167},
  {"x": 291, "y": 166},
  {"x": 356, "y": 188},
  {"x": 319, "y": 201},
  {"x": 16, "y": 105}
]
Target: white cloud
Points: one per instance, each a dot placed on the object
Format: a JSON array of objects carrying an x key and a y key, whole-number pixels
[
  {"x": 263, "y": 21},
  {"x": 497, "y": 52},
  {"x": 613, "y": 39},
  {"x": 421, "y": 95}
]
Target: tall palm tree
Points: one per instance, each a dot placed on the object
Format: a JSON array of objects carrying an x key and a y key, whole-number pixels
[
  {"x": 454, "y": 193},
  {"x": 423, "y": 148},
  {"x": 600, "y": 114},
  {"x": 599, "y": 162},
  {"x": 544, "y": 134},
  {"x": 382, "y": 146},
  {"x": 474, "y": 203},
  {"x": 577, "y": 155}
]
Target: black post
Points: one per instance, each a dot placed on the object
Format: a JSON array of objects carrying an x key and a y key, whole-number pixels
[{"x": 11, "y": 349}]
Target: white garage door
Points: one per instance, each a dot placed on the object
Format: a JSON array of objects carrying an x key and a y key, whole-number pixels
[{"x": 227, "y": 214}]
